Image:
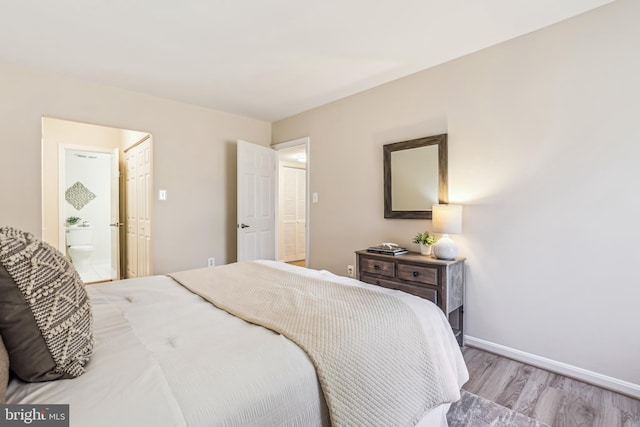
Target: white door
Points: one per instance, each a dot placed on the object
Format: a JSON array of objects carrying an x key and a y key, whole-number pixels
[
  {"x": 115, "y": 215},
  {"x": 144, "y": 198},
  {"x": 132, "y": 216},
  {"x": 301, "y": 213},
  {"x": 256, "y": 202},
  {"x": 139, "y": 199},
  {"x": 293, "y": 183}
]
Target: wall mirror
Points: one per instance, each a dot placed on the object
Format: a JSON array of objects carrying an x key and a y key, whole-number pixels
[{"x": 415, "y": 177}]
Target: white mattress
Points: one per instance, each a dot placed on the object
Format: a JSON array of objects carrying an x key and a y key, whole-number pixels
[{"x": 165, "y": 357}]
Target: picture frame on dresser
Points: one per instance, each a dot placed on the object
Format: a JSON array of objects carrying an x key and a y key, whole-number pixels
[{"x": 440, "y": 281}]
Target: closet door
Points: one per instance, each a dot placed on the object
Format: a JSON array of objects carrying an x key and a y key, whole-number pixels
[
  {"x": 292, "y": 213},
  {"x": 301, "y": 214}
]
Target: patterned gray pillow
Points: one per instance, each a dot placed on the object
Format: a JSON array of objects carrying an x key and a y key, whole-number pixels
[
  {"x": 45, "y": 316},
  {"x": 4, "y": 372}
]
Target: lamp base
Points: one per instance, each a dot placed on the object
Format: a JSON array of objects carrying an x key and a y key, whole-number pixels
[{"x": 445, "y": 248}]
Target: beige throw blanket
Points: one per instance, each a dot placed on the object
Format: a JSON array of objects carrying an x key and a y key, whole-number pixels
[{"x": 368, "y": 348}]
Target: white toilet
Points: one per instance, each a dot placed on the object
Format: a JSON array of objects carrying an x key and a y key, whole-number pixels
[{"x": 79, "y": 245}]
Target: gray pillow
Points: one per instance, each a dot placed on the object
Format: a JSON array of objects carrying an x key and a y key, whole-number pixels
[
  {"x": 4, "y": 372},
  {"x": 45, "y": 316}
]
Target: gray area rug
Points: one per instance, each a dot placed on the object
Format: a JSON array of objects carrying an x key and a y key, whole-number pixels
[{"x": 475, "y": 411}]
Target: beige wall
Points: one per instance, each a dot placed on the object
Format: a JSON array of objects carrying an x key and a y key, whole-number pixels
[
  {"x": 194, "y": 159},
  {"x": 544, "y": 146}
]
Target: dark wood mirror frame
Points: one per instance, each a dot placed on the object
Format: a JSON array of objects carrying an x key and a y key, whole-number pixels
[{"x": 443, "y": 185}]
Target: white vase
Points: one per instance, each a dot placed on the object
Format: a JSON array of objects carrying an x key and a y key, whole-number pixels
[
  {"x": 445, "y": 248},
  {"x": 425, "y": 249}
]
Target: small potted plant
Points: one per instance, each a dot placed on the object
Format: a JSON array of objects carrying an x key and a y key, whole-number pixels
[
  {"x": 72, "y": 221},
  {"x": 425, "y": 241}
]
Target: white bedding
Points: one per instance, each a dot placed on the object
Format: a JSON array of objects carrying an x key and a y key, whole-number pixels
[{"x": 165, "y": 357}]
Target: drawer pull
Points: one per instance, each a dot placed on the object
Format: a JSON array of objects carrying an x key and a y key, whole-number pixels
[{"x": 376, "y": 267}]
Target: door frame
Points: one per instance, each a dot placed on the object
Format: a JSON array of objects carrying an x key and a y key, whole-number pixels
[{"x": 306, "y": 141}]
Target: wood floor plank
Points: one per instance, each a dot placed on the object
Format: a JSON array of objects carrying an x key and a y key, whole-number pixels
[
  {"x": 538, "y": 382},
  {"x": 545, "y": 396},
  {"x": 498, "y": 379},
  {"x": 625, "y": 403},
  {"x": 629, "y": 419},
  {"x": 574, "y": 411},
  {"x": 482, "y": 367},
  {"x": 547, "y": 406},
  {"x": 513, "y": 388}
]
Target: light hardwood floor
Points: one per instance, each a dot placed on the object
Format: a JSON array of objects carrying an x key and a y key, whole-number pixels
[{"x": 547, "y": 397}]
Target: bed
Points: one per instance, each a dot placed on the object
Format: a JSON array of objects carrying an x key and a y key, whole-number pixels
[{"x": 165, "y": 356}]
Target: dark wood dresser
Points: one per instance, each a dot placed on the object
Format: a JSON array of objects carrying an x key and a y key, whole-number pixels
[{"x": 437, "y": 280}]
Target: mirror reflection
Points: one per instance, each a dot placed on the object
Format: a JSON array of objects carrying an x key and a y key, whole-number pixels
[
  {"x": 414, "y": 178},
  {"x": 415, "y": 174}
]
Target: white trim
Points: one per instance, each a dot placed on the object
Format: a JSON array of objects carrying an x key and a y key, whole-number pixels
[
  {"x": 292, "y": 143},
  {"x": 600, "y": 380},
  {"x": 288, "y": 144}
]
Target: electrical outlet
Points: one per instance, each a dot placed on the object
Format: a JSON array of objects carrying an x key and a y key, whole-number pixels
[
  {"x": 211, "y": 262},
  {"x": 350, "y": 270}
]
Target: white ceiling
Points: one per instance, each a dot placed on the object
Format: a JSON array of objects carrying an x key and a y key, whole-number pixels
[{"x": 262, "y": 59}]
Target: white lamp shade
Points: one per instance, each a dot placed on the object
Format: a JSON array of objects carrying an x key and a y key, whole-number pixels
[{"x": 447, "y": 219}]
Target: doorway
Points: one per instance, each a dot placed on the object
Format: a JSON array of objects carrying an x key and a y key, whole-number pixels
[
  {"x": 91, "y": 205},
  {"x": 83, "y": 204},
  {"x": 292, "y": 207},
  {"x": 260, "y": 224}
]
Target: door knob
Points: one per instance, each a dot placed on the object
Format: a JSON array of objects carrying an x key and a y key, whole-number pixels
[
  {"x": 117, "y": 224},
  {"x": 244, "y": 226}
]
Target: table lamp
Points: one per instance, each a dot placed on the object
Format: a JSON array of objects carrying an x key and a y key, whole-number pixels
[{"x": 447, "y": 219}]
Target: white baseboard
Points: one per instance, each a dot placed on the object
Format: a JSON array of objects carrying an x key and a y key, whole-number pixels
[{"x": 604, "y": 381}]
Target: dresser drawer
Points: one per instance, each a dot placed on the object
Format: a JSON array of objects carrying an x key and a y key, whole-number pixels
[
  {"x": 376, "y": 266},
  {"x": 414, "y": 273},
  {"x": 376, "y": 280},
  {"x": 420, "y": 291}
]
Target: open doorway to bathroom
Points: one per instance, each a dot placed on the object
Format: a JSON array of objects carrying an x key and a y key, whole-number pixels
[
  {"x": 84, "y": 196},
  {"x": 89, "y": 184}
]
